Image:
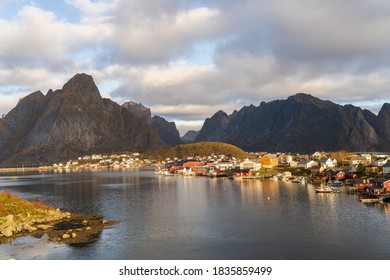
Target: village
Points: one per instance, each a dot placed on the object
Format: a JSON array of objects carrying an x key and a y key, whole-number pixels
[{"x": 367, "y": 173}]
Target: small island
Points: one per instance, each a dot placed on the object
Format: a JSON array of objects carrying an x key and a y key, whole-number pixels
[{"x": 19, "y": 217}]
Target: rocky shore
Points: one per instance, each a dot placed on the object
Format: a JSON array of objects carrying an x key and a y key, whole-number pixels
[{"x": 37, "y": 219}]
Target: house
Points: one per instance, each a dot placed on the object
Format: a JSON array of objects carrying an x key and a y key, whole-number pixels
[
  {"x": 379, "y": 187},
  {"x": 225, "y": 165},
  {"x": 368, "y": 157},
  {"x": 269, "y": 161},
  {"x": 381, "y": 161},
  {"x": 360, "y": 184},
  {"x": 372, "y": 169},
  {"x": 386, "y": 168},
  {"x": 384, "y": 183},
  {"x": 251, "y": 165},
  {"x": 191, "y": 164},
  {"x": 373, "y": 190},
  {"x": 357, "y": 160},
  {"x": 317, "y": 155},
  {"x": 328, "y": 163},
  {"x": 307, "y": 164},
  {"x": 340, "y": 175}
]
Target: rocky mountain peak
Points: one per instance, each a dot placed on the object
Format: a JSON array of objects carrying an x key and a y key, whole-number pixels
[
  {"x": 385, "y": 109},
  {"x": 82, "y": 85},
  {"x": 304, "y": 98},
  {"x": 139, "y": 110}
]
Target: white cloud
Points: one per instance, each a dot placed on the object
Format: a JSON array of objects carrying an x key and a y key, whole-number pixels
[
  {"x": 263, "y": 50},
  {"x": 140, "y": 38}
]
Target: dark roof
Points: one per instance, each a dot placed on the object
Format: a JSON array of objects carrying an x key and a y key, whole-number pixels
[{"x": 374, "y": 187}]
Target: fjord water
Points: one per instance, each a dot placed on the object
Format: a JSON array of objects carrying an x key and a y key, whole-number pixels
[{"x": 203, "y": 218}]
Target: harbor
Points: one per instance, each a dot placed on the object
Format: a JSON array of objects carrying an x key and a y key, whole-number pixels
[{"x": 199, "y": 217}]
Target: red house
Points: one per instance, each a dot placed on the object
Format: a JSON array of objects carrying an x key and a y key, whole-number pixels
[
  {"x": 360, "y": 184},
  {"x": 379, "y": 187},
  {"x": 340, "y": 175}
]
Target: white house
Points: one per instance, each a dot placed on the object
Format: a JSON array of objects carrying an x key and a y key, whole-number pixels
[
  {"x": 224, "y": 165},
  {"x": 307, "y": 164},
  {"x": 381, "y": 161},
  {"x": 368, "y": 157},
  {"x": 328, "y": 163},
  {"x": 248, "y": 164},
  {"x": 357, "y": 160},
  {"x": 386, "y": 168}
]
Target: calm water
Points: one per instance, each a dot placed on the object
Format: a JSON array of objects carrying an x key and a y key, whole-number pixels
[{"x": 201, "y": 218}]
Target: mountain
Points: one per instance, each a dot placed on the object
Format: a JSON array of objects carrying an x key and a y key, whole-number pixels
[
  {"x": 301, "y": 123},
  {"x": 70, "y": 122},
  {"x": 215, "y": 129},
  {"x": 167, "y": 131},
  {"x": 139, "y": 110},
  {"x": 383, "y": 123},
  {"x": 190, "y": 136}
]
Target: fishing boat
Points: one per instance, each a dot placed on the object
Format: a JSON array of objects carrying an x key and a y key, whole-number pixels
[{"x": 324, "y": 190}]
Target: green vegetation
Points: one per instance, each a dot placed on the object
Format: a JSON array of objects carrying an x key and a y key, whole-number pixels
[
  {"x": 10, "y": 203},
  {"x": 198, "y": 149}
]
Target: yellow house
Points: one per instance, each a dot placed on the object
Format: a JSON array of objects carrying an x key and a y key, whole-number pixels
[{"x": 269, "y": 161}]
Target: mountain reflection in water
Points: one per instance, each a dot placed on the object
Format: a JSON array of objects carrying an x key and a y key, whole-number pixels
[{"x": 202, "y": 218}]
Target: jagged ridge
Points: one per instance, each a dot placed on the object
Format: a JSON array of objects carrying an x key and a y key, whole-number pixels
[
  {"x": 302, "y": 123},
  {"x": 71, "y": 122}
]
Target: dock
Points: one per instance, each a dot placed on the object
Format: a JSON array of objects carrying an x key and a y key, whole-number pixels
[{"x": 370, "y": 200}]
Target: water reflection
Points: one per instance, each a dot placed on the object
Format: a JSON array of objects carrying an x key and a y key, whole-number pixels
[{"x": 202, "y": 218}]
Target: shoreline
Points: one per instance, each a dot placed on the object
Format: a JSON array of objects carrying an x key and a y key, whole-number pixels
[
  {"x": 20, "y": 217},
  {"x": 18, "y": 169}
]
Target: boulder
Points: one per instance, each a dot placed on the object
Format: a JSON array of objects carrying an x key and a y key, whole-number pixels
[
  {"x": 29, "y": 227},
  {"x": 7, "y": 232},
  {"x": 65, "y": 236}
]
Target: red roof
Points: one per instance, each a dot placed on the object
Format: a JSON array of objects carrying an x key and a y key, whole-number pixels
[{"x": 191, "y": 163}]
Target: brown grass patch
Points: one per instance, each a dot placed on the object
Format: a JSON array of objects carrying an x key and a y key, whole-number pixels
[{"x": 11, "y": 203}]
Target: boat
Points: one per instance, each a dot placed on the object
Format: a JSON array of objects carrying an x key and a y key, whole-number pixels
[
  {"x": 336, "y": 184},
  {"x": 159, "y": 172},
  {"x": 299, "y": 180},
  {"x": 324, "y": 190}
]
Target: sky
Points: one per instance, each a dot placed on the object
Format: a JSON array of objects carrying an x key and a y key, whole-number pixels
[{"x": 188, "y": 59}]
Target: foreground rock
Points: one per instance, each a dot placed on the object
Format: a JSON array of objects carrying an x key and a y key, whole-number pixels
[
  {"x": 61, "y": 227},
  {"x": 78, "y": 230}
]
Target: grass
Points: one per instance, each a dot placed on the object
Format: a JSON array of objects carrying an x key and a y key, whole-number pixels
[
  {"x": 11, "y": 203},
  {"x": 198, "y": 149}
]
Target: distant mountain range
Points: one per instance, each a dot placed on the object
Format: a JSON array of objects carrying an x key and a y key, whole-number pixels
[
  {"x": 76, "y": 120},
  {"x": 301, "y": 123}
]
